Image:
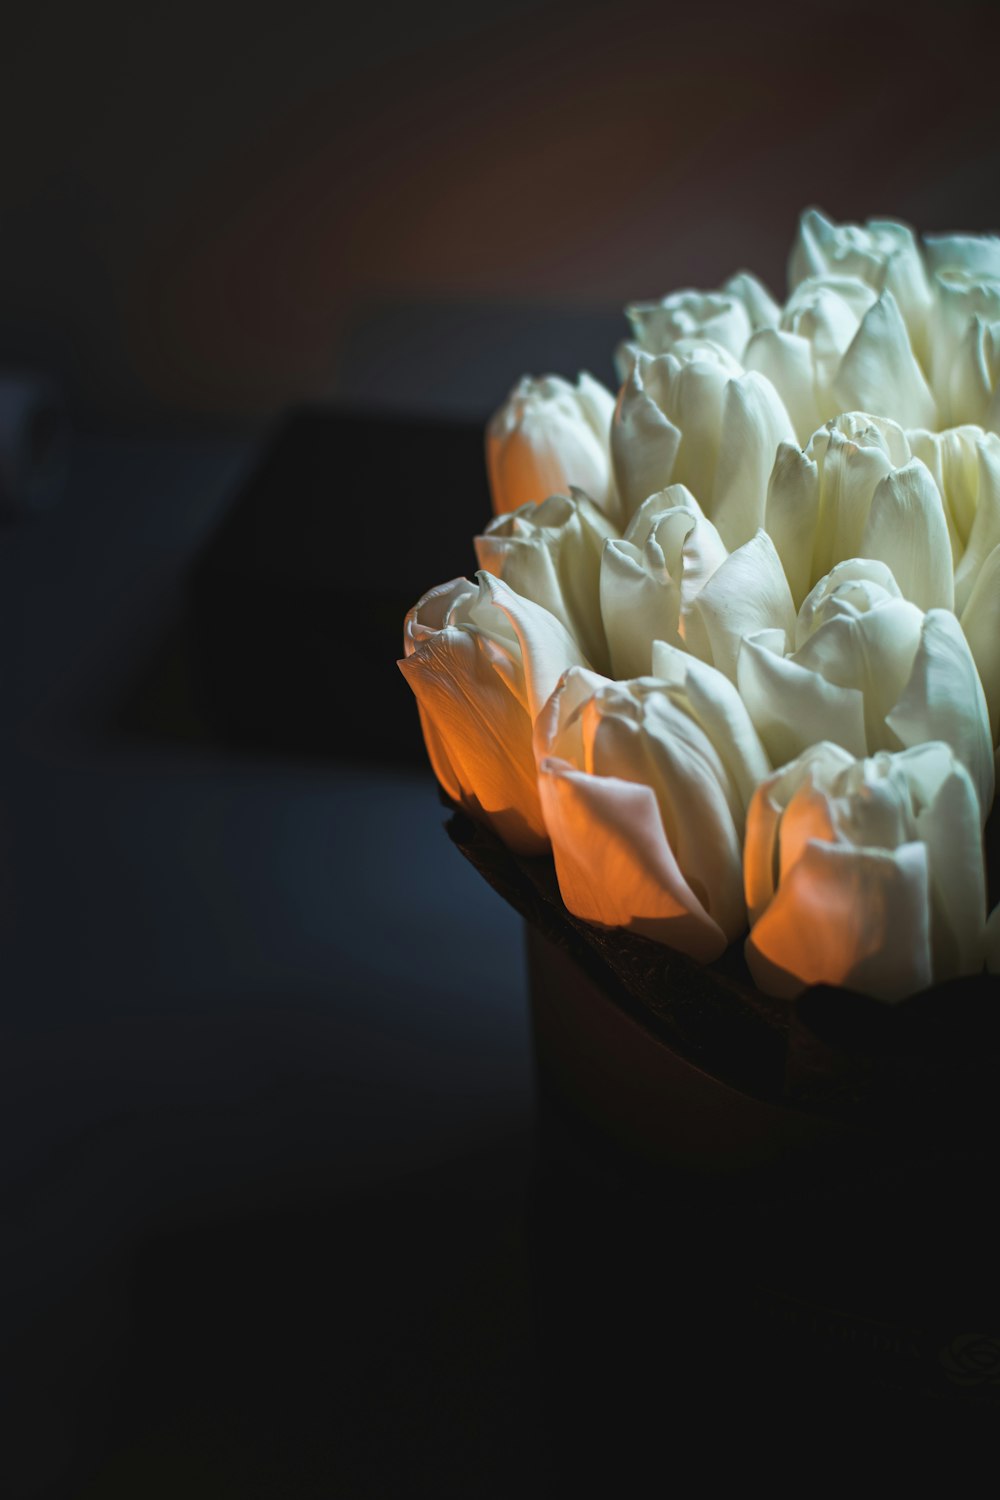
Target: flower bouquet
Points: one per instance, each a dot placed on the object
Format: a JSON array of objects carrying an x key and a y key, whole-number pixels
[{"x": 720, "y": 710}]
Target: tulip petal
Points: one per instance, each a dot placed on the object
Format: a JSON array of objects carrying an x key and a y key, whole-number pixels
[
  {"x": 748, "y": 593},
  {"x": 793, "y": 707},
  {"x": 614, "y": 864},
  {"x": 792, "y": 516},
  {"x": 644, "y": 443},
  {"x": 906, "y": 529},
  {"x": 949, "y": 826},
  {"x": 547, "y": 648},
  {"x": 879, "y": 372},
  {"x": 944, "y": 701},
  {"x": 849, "y": 917},
  {"x": 981, "y": 625},
  {"x": 480, "y": 744},
  {"x": 754, "y": 422},
  {"x": 713, "y": 702}
]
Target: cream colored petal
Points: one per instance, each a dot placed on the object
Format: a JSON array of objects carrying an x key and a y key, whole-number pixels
[
  {"x": 644, "y": 444},
  {"x": 879, "y": 372},
  {"x": 786, "y": 360},
  {"x": 983, "y": 535},
  {"x": 907, "y": 530},
  {"x": 981, "y": 625},
  {"x": 763, "y": 311},
  {"x": 640, "y": 603},
  {"x": 714, "y": 703},
  {"x": 480, "y": 740},
  {"x": 978, "y": 254},
  {"x": 614, "y": 864},
  {"x": 547, "y": 648},
  {"x": 854, "y": 918},
  {"x": 793, "y": 707},
  {"x": 701, "y": 816},
  {"x": 944, "y": 700},
  {"x": 754, "y": 422},
  {"x": 748, "y": 593},
  {"x": 817, "y": 766},
  {"x": 792, "y": 516},
  {"x": 545, "y": 438},
  {"x": 949, "y": 825}
]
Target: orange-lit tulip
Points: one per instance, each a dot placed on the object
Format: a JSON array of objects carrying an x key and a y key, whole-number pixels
[
  {"x": 548, "y": 437},
  {"x": 867, "y": 874},
  {"x": 644, "y": 805},
  {"x": 475, "y": 677}
]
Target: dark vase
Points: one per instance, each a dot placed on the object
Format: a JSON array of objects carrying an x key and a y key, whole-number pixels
[{"x": 789, "y": 1203}]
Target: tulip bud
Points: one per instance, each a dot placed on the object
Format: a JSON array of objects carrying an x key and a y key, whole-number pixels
[
  {"x": 698, "y": 420},
  {"x": 548, "y": 437},
  {"x": 651, "y": 577},
  {"x": 865, "y": 873},
  {"x": 642, "y": 806},
  {"x": 551, "y": 553},
  {"x": 867, "y": 670},
  {"x": 883, "y": 254},
  {"x": 857, "y": 491},
  {"x": 478, "y": 678}
]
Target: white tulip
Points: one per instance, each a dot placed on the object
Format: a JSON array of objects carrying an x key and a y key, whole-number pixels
[
  {"x": 551, "y": 553},
  {"x": 698, "y": 420},
  {"x": 801, "y": 355},
  {"x": 643, "y": 805},
  {"x": 481, "y": 661},
  {"x": 965, "y": 347},
  {"x": 965, "y": 465},
  {"x": 865, "y": 873},
  {"x": 883, "y": 254},
  {"x": 689, "y": 319},
  {"x": 547, "y": 437},
  {"x": 650, "y": 578},
  {"x": 857, "y": 491},
  {"x": 859, "y": 665}
]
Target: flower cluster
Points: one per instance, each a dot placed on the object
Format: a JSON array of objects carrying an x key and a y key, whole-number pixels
[{"x": 733, "y": 651}]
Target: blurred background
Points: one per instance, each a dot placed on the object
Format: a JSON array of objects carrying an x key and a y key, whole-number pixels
[
  {"x": 219, "y": 208},
  {"x": 268, "y": 1161}
]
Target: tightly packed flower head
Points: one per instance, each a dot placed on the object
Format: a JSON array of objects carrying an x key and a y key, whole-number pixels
[{"x": 733, "y": 652}]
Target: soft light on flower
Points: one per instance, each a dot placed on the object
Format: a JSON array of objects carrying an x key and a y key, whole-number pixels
[
  {"x": 478, "y": 680},
  {"x": 698, "y": 420},
  {"x": 782, "y": 545},
  {"x": 644, "y": 787},
  {"x": 551, "y": 553},
  {"x": 865, "y": 873},
  {"x": 548, "y": 437}
]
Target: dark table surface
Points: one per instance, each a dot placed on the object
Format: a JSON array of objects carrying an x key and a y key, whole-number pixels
[{"x": 266, "y": 1076}]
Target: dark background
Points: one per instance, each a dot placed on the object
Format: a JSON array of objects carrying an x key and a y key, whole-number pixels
[
  {"x": 267, "y": 1085},
  {"x": 218, "y": 208}
]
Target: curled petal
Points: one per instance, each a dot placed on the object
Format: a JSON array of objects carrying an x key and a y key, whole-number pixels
[
  {"x": 547, "y": 648},
  {"x": 614, "y": 864},
  {"x": 856, "y": 918}
]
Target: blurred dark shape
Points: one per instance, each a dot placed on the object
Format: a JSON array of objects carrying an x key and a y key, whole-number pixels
[
  {"x": 34, "y": 444},
  {"x": 297, "y": 603}
]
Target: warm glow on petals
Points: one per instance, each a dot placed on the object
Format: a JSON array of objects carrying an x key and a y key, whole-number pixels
[
  {"x": 614, "y": 863},
  {"x": 865, "y": 873},
  {"x": 547, "y": 437}
]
